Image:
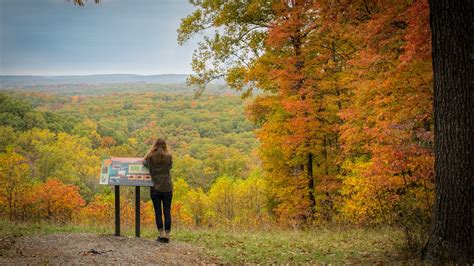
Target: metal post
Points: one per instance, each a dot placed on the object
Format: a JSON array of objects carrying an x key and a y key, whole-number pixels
[
  {"x": 117, "y": 210},
  {"x": 137, "y": 211}
]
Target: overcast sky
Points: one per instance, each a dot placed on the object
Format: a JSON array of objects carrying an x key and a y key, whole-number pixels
[{"x": 55, "y": 37}]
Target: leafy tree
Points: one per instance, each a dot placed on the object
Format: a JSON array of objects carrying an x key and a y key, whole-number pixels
[
  {"x": 198, "y": 205},
  {"x": 100, "y": 210},
  {"x": 240, "y": 30},
  {"x": 16, "y": 113},
  {"x": 7, "y": 136},
  {"x": 14, "y": 181},
  {"x": 222, "y": 197},
  {"x": 57, "y": 201}
]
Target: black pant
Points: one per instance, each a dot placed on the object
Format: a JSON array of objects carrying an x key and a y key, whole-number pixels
[{"x": 165, "y": 198}]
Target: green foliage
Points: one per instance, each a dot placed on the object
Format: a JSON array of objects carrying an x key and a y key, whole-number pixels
[
  {"x": 16, "y": 113},
  {"x": 238, "y": 39},
  {"x": 21, "y": 115},
  {"x": 209, "y": 136}
]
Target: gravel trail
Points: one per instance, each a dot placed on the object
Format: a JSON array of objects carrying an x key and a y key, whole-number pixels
[{"x": 85, "y": 248}]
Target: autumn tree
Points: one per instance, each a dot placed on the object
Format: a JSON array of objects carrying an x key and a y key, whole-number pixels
[
  {"x": 7, "y": 136},
  {"x": 222, "y": 197},
  {"x": 100, "y": 210},
  {"x": 270, "y": 46},
  {"x": 253, "y": 198},
  {"x": 14, "y": 180},
  {"x": 198, "y": 205},
  {"x": 57, "y": 201}
]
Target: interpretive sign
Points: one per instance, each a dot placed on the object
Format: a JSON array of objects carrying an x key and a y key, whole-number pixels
[{"x": 123, "y": 171}]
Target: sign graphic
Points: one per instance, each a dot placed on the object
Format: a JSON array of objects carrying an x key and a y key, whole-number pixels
[{"x": 124, "y": 171}]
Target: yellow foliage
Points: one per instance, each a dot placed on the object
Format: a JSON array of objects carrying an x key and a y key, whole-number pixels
[{"x": 14, "y": 177}]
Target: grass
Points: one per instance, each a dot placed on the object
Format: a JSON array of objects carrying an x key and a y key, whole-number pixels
[
  {"x": 324, "y": 245},
  {"x": 335, "y": 245},
  {"x": 9, "y": 229}
]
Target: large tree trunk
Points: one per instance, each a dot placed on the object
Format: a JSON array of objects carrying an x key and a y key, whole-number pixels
[{"x": 453, "y": 67}]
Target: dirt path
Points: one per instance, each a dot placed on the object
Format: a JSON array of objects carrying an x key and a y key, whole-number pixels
[{"x": 97, "y": 249}]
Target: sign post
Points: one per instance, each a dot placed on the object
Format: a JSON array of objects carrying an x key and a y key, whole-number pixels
[
  {"x": 117, "y": 210},
  {"x": 137, "y": 211},
  {"x": 121, "y": 171}
]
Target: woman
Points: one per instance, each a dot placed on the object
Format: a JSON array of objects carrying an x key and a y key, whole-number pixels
[{"x": 159, "y": 161}]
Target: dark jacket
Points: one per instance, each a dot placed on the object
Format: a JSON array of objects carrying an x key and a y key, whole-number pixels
[{"x": 160, "y": 172}]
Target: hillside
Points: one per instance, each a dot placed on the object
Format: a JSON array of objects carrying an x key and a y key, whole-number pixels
[
  {"x": 209, "y": 135},
  {"x": 23, "y": 80},
  {"x": 117, "y": 88}
]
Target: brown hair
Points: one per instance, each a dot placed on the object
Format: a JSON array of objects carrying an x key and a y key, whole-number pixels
[{"x": 159, "y": 147}]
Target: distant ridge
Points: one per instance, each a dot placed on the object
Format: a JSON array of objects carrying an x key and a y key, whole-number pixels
[{"x": 9, "y": 80}]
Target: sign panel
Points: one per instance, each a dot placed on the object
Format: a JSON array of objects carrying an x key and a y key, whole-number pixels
[{"x": 124, "y": 171}]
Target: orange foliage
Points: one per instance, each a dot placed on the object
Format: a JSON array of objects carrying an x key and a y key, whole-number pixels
[
  {"x": 387, "y": 131},
  {"x": 108, "y": 142},
  {"x": 100, "y": 210},
  {"x": 57, "y": 201},
  {"x": 351, "y": 85}
]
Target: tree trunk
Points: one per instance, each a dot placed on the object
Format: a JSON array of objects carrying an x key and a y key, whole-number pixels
[
  {"x": 296, "y": 41},
  {"x": 10, "y": 205},
  {"x": 312, "y": 199},
  {"x": 453, "y": 67}
]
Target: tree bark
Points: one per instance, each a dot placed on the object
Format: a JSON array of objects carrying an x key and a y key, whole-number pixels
[
  {"x": 296, "y": 41},
  {"x": 312, "y": 199},
  {"x": 453, "y": 67}
]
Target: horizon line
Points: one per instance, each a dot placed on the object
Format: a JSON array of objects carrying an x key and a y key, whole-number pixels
[{"x": 98, "y": 74}]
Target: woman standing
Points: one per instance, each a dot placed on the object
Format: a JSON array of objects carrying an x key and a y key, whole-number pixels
[{"x": 159, "y": 161}]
